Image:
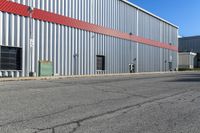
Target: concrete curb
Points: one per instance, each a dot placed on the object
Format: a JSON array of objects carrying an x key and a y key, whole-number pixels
[{"x": 82, "y": 76}]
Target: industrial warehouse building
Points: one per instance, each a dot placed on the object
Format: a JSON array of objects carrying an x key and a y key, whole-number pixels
[
  {"x": 189, "y": 46},
  {"x": 83, "y": 37}
]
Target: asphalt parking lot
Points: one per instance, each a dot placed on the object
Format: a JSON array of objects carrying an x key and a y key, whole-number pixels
[{"x": 158, "y": 103}]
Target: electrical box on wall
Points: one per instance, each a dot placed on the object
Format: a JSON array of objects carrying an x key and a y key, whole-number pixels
[{"x": 45, "y": 68}]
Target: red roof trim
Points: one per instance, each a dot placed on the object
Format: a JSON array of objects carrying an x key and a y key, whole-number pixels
[{"x": 22, "y": 10}]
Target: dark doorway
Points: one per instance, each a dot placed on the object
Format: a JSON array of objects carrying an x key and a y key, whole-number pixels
[
  {"x": 100, "y": 62},
  {"x": 10, "y": 58}
]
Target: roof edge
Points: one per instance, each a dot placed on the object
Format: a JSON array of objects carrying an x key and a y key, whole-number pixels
[
  {"x": 188, "y": 37},
  {"x": 141, "y": 9}
]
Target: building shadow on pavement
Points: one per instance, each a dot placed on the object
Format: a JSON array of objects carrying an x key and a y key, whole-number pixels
[{"x": 187, "y": 78}]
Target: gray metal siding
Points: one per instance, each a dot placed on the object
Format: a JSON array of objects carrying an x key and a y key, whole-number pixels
[
  {"x": 153, "y": 59},
  {"x": 111, "y": 14},
  {"x": 189, "y": 44},
  {"x": 73, "y": 51}
]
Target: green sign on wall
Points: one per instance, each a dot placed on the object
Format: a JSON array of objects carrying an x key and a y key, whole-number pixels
[{"x": 45, "y": 68}]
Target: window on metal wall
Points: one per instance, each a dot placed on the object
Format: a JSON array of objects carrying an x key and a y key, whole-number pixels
[
  {"x": 10, "y": 58},
  {"x": 100, "y": 62}
]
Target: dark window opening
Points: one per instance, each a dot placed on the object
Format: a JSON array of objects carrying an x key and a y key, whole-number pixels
[
  {"x": 100, "y": 62},
  {"x": 10, "y": 58}
]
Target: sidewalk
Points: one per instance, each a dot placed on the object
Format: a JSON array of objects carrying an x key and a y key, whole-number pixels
[{"x": 80, "y": 76}]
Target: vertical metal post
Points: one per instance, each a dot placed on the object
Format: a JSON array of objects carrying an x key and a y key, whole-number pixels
[
  {"x": 131, "y": 62},
  {"x": 177, "y": 65},
  {"x": 31, "y": 41},
  {"x": 92, "y": 39},
  {"x": 137, "y": 56}
]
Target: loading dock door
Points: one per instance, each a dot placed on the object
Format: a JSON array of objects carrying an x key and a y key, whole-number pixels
[{"x": 10, "y": 58}]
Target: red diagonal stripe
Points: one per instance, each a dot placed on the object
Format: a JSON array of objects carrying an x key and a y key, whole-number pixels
[
  {"x": 19, "y": 9},
  {"x": 14, "y": 8}
]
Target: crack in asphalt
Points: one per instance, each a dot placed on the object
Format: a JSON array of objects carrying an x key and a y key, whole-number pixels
[
  {"x": 193, "y": 100},
  {"x": 64, "y": 110},
  {"x": 76, "y": 106},
  {"x": 75, "y": 128},
  {"x": 118, "y": 92},
  {"x": 78, "y": 122}
]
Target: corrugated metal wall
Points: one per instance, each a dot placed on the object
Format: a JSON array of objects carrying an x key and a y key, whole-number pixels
[
  {"x": 189, "y": 44},
  {"x": 73, "y": 51},
  {"x": 111, "y": 14}
]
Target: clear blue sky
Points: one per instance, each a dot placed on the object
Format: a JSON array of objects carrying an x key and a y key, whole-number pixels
[{"x": 183, "y": 13}]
